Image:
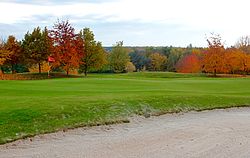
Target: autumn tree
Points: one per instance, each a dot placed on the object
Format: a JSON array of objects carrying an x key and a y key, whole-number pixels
[
  {"x": 4, "y": 55},
  {"x": 118, "y": 58},
  {"x": 245, "y": 58},
  {"x": 130, "y": 67},
  {"x": 94, "y": 54},
  {"x": 214, "y": 58},
  {"x": 190, "y": 63},
  {"x": 44, "y": 67},
  {"x": 67, "y": 46},
  {"x": 157, "y": 61},
  {"x": 175, "y": 54},
  {"x": 36, "y": 47},
  {"x": 15, "y": 52},
  {"x": 237, "y": 61}
]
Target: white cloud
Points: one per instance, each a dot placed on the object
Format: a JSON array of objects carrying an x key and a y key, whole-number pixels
[{"x": 228, "y": 17}]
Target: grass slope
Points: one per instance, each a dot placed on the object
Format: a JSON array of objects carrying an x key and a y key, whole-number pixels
[{"x": 40, "y": 106}]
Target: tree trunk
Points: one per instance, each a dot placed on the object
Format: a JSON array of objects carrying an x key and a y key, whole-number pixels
[
  {"x": 67, "y": 72},
  {"x": 85, "y": 70},
  {"x": 13, "y": 71},
  {"x": 214, "y": 72},
  {"x": 245, "y": 70},
  {"x": 1, "y": 71},
  {"x": 85, "y": 73},
  {"x": 39, "y": 66}
]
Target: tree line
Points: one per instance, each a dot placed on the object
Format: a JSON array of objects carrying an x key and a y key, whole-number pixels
[
  {"x": 80, "y": 53},
  {"x": 69, "y": 50},
  {"x": 213, "y": 59}
]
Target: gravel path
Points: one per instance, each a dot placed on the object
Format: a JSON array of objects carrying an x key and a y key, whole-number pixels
[{"x": 217, "y": 133}]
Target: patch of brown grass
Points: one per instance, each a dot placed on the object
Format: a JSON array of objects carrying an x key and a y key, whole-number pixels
[{"x": 35, "y": 76}]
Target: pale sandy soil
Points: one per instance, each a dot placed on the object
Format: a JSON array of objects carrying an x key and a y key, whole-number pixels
[{"x": 217, "y": 133}]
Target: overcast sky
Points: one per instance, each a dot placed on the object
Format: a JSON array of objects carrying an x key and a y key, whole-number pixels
[{"x": 136, "y": 22}]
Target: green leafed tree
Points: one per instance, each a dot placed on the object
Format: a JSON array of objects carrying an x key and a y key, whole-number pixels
[
  {"x": 139, "y": 59},
  {"x": 36, "y": 47},
  {"x": 118, "y": 58},
  {"x": 94, "y": 54},
  {"x": 174, "y": 56}
]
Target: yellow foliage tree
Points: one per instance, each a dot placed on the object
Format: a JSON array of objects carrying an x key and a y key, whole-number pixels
[
  {"x": 237, "y": 60},
  {"x": 157, "y": 61},
  {"x": 130, "y": 67},
  {"x": 45, "y": 67}
]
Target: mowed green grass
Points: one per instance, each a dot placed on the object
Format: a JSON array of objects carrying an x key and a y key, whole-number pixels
[{"x": 39, "y": 106}]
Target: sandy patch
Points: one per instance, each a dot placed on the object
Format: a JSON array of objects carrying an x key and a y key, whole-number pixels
[{"x": 217, "y": 133}]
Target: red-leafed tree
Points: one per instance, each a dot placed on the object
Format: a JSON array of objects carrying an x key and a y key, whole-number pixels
[
  {"x": 190, "y": 63},
  {"x": 67, "y": 46}
]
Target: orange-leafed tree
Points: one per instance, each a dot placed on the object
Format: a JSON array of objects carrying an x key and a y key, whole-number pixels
[
  {"x": 237, "y": 61},
  {"x": 15, "y": 52},
  {"x": 190, "y": 63},
  {"x": 4, "y": 55},
  {"x": 233, "y": 60},
  {"x": 246, "y": 59},
  {"x": 67, "y": 46},
  {"x": 244, "y": 62},
  {"x": 214, "y": 58}
]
